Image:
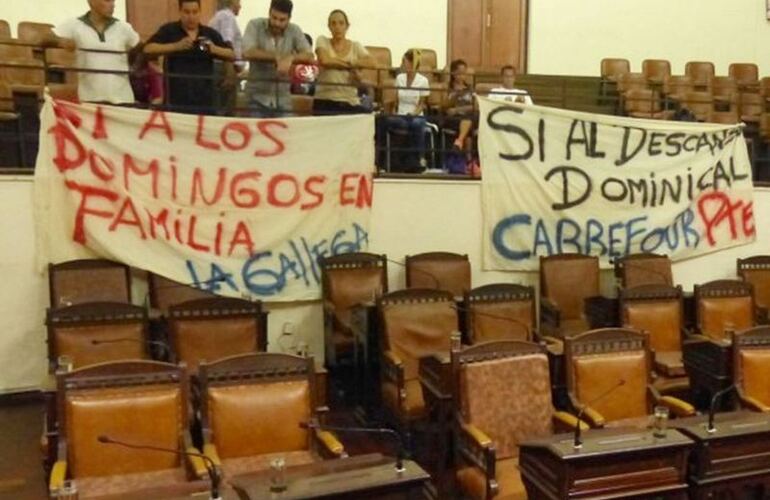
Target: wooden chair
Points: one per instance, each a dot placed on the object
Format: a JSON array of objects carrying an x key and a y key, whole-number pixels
[
  {"x": 609, "y": 378},
  {"x": 439, "y": 270},
  {"x": 643, "y": 269},
  {"x": 655, "y": 70},
  {"x": 612, "y": 68},
  {"x": 674, "y": 86},
  {"x": 751, "y": 367},
  {"x": 566, "y": 281},
  {"x": 499, "y": 312},
  {"x": 700, "y": 104},
  {"x": 138, "y": 402},
  {"x": 5, "y": 29},
  {"x": 96, "y": 332},
  {"x": 252, "y": 406},
  {"x": 701, "y": 73},
  {"x": 644, "y": 103},
  {"x": 32, "y": 32},
  {"x": 515, "y": 375},
  {"x": 88, "y": 280},
  {"x": 658, "y": 310},
  {"x": 414, "y": 323},
  {"x": 721, "y": 306},
  {"x": 215, "y": 328},
  {"x": 348, "y": 280},
  {"x": 756, "y": 270},
  {"x": 746, "y": 75}
]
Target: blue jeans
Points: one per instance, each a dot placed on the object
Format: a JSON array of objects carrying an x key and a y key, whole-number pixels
[{"x": 415, "y": 125}]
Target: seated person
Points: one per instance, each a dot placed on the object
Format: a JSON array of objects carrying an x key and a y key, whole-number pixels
[
  {"x": 411, "y": 100},
  {"x": 189, "y": 49},
  {"x": 508, "y": 92},
  {"x": 460, "y": 113}
]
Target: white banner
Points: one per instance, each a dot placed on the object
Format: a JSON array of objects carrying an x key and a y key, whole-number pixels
[
  {"x": 239, "y": 206},
  {"x": 557, "y": 181}
]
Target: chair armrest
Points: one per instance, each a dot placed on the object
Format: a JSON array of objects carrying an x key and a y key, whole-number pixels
[
  {"x": 210, "y": 450},
  {"x": 754, "y": 404},
  {"x": 58, "y": 475},
  {"x": 677, "y": 406},
  {"x": 549, "y": 312},
  {"x": 330, "y": 443},
  {"x": 553, "y": 345},
  {"x": 594, "y": 418},
  {"x": 564, "y": 422},
  {"x": 392, "y": 368},
  {"x": 477, "y": 436},
  {"x": 197, "y": 464}
]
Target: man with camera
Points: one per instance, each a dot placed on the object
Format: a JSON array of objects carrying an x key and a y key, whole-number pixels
[{"x": 189, "y": 49}]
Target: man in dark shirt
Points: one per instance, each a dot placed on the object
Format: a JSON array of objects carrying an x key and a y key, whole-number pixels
[{"x": 190, "y": 49}]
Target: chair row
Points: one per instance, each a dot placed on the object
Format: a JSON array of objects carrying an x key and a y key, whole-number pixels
[
  {"x": 702, "y": 73},
  {"x": 250, "y": 408}
]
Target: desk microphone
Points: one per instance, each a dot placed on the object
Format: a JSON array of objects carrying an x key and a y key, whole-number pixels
[
  {"x": 165, "y": 347},
  {"x": 577, "y": 442},
  {"x": 632, "y": 265},
  {"x": 211, "y": 467},
  {"x": 314, "y": 424},
  {"x": 712, "y": 408}
]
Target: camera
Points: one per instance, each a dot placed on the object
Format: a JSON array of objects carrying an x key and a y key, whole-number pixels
[{"x": 202, "y": 43}]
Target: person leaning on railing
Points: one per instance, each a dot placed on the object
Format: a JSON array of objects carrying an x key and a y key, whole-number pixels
[
  {"x": 189, "y": 48},
  {"x": 225, "y": 21},
  {"x": 273, "y": 45},
  {"x": 339, "y": 77},
  {"x": 102, "y": 42}
]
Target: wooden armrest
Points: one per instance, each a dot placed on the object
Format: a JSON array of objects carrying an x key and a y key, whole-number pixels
[
  {"x": 553, "y": 345},
  {"x": 564, "y": 420},
  {"x": 197, "y": 463},
  {"x": 754, "y": 404},
  {"x": 331, "y": 443},
  {"x": 210, "y": 450},
  {"x": 677, "y": 406},
  {"x": 594, "y": 418},
  {"x": 477, "y": 436},
  {"x": 58, "y": 475}
]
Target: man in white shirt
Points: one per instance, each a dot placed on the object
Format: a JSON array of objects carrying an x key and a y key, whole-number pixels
[
  {"x": 508, "y": 92},
  {"x": 226, "y": 23},
  {"x": 99, "y": 31}
]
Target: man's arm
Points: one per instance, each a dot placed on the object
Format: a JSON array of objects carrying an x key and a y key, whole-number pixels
[
  {"x": 219, "y": 48},
  {"x": 160, "y": 49},
  {"x": 62, "y": 37}
]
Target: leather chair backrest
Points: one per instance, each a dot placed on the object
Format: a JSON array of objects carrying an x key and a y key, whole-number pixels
[
  {"x": 89, "y": 284},
  {"x": 149, "y": 415},
  {"x": 259, "y": 418},
  {"x": 414, "y": 330},
  {"x": 716, "y": 314},
  {"x": 701, "y": 72},
  {"x": 165, "y": 293},
  {"x": 504, "y": 320},
  {"x": 348, "y": 287},
  {"x": 755, "y": 364},
  {"x": 568, "y": 282},
  {"x": 451, "y": 274},
  {"x": 760, "y": 279},
  {"x": 744, "y": 73},
  {"x": 655, "y": 270},
  {"x": 116, "y": 342},
  {"x": 656, "y": 68},
  {"x": 595, "y": 374},
  {"x": 197, "y": 339},
  {"x": 661, "y": 319},
  {"x": 521, "y": 391},
  {"x": 611, "y": 68}
]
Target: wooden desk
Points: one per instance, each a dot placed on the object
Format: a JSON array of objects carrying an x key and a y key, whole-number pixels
[
  {"x": 613, "y": 463},
  {"x": 732, "y": 462},
  {"x": 194, "y": 490},
  {"x": 367, "y": 476}
]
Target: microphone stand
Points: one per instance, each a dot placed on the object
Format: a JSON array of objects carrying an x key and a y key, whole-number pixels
[
  {"x": 710, "y": 428},
  {"x": 211, "y": 467},
  {"x": 495, "y": 316},
  {"x": 577, "y": 442},
  {"x": 400, "y": 454}
]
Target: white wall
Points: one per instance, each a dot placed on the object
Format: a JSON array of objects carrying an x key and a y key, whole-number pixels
[
  {"x": 572, "y": 37},
  {"x": 442, "y": 215}
]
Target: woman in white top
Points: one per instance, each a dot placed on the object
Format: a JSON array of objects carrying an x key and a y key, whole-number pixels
[
  {"x": 413, "y": 91},
  {"x": 339, "y": 77}
]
